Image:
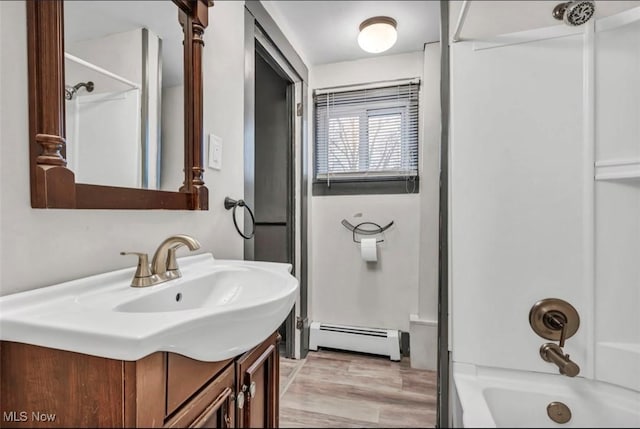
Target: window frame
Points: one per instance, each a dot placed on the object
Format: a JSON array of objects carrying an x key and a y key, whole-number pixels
[{"x": 368, "y": 181}]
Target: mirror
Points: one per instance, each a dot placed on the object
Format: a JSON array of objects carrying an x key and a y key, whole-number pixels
[
  {"x": 116, "y": 104},
  {"x": 123, "y": 75}
]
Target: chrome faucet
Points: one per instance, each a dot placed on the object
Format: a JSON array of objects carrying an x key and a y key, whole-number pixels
[{"x": 164, "y": 266}]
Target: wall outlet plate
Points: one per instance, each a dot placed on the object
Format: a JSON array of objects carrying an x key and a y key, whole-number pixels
[{"x": 215, "y": 152}]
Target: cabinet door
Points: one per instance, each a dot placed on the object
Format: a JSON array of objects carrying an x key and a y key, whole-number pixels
[
  {"x": 214, "y": 407},
  {"x": 258, "y": 373},
  {"x": 186, "y": 376},
  {"x": 219, "y": 414}
]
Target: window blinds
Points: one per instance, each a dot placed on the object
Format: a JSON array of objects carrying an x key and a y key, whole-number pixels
[{"x": 368, "y": 133}]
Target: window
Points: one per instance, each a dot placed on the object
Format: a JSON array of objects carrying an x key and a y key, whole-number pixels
[{"x": 367, "y": 134}]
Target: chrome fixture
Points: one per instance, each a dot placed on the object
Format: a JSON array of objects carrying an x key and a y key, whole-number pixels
[
  {"x": 557, "y": 320},
  {"x": 575, "y": 12},
  {"x": 164, "y": 266},
  {"x": 70, "y": 91},
  {"x": 558, "y": 412}
]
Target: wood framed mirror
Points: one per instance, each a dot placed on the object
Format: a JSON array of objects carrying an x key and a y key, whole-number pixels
[{"x": 53, "y": 182}]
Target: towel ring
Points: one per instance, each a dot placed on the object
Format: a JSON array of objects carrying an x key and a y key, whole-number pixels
[{"x": 229, "y": 204}]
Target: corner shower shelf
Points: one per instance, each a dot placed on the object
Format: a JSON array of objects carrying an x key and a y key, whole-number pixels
[{"x": 618, "y": 169}]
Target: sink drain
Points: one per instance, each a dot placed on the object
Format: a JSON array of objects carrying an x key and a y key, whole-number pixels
[
  {"x": 178, "y": 297},
  {"x": 558, "y": 412}
]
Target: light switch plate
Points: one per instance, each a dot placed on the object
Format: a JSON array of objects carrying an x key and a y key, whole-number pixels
[{"x": 215, "y": 152}]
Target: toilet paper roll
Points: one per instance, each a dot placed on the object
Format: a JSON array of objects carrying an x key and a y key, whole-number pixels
[{"x": 369, "y": 249}]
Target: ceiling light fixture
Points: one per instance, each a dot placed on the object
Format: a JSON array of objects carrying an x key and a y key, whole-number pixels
[{"x": 377, "y": 34}]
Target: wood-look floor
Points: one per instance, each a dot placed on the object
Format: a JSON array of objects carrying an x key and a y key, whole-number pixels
[{"x": 331, "y": 389}]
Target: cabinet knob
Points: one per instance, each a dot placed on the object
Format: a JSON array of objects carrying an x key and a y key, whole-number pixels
[
  {"x": 252, "y": 390},
  {"x": 240, "y": 400}
]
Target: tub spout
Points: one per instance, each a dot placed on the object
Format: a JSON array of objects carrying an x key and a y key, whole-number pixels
[{"x": 551, "y": 352}]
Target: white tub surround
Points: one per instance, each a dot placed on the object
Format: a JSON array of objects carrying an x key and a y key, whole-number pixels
[
  {"x": 493, "y": 397},
  {"x": 617, "y": 191},
  {"x": 546, "y": 195},
  {"x": 619, "y": 363},
  {"x": 519, "y": 186},
  {"x": 545, "y": 203}
]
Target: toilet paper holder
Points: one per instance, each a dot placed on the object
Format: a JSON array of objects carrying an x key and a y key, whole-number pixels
[{"x": 358, "y": 230}]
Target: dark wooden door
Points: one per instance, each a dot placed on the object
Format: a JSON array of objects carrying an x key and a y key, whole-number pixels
[{"x": 258, "y": 373}]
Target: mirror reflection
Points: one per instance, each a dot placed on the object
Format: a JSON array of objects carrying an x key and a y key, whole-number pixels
[{"x": 124, "y": 93}]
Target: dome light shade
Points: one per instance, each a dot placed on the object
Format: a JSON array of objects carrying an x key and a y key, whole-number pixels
[{"x": 377, "y": 34}]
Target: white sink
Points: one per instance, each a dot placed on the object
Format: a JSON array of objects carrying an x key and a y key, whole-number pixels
[{"x": 217, "y": 310}]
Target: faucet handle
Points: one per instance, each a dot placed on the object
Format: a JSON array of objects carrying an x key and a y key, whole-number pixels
[
  {"x": 143, "y": 269},
  {"x": 172, "y": 263}
]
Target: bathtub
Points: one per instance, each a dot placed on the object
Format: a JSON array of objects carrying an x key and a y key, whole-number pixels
[{"x": 491, "y": 397}]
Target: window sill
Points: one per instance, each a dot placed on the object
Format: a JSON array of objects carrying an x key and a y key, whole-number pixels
[{"x": 378, "y": 186}]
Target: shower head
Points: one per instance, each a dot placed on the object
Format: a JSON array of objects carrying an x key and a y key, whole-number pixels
[
  {"x": 575, "y": 12},
  {"x": 70, "y": 91}
]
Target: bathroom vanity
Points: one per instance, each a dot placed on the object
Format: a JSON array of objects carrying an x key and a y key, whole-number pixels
[
  {"x": 196, "y": 351},
  {"x": 44, "y": 387}
]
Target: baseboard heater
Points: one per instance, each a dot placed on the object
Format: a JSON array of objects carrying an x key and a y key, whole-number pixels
[{"x": 384, "y": 342}]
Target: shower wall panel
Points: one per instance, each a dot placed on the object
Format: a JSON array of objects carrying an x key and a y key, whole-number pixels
[
  {"x": 617, "y": 298},
  {"x": 518, "y": 193}
]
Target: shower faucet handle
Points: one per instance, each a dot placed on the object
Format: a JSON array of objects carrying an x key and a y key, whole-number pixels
[
  {"x": 554, "y": 319},
  {"x": 558, "y": 321}
]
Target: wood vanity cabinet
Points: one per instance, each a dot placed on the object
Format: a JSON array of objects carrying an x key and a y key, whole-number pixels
[
  {"x": 43, "y": 387},
  {"x": 258, "y": 379}
]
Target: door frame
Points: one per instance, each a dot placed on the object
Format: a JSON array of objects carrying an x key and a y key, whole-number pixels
[
  {"x": 445, "y": 386},
  {"x": 267, "y": 54},
  {"x": 260, "y": 28}
]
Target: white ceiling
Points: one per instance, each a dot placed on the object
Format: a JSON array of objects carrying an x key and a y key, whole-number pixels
[{"x": 327, "y": 31}]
